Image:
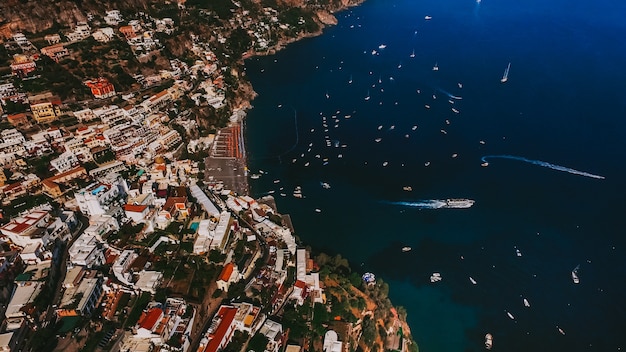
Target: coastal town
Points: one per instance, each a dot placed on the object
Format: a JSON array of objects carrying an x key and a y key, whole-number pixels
[{"x": 126, "y": 221}]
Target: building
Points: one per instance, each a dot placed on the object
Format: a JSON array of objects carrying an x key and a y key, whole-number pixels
[
  {"x": 87, "y": 251},
  {"x": 212, "y": 234},
  {"x": 64, "y": 162},
  {"x": 274, "y": 332},
  {"x": 101, "y": 88},
  {"x": 45, "y": 107},
  {"x": 229, "y": 274},
  {"x": 82, "y": 299},
  {"x": 18, "y": 120},
  {"x": 29, "y": 228},
  {"x": 22, "y": 65},
  {"x": 99, "y": 197},
  {"x": 221, "y": 330},
  {"x": 56, "y": 52},
  {"x": 104, "y": 35},
  {"x": 24, "y": 293},
  {"x": 137, "y": 213}
]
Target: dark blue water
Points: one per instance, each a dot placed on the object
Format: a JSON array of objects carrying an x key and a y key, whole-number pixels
[{"x": 564, "y": 104}]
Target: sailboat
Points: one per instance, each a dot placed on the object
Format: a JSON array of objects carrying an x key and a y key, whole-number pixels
[
  {"x": 412, "y": 54},
  {"x": 436, "y": 67},
  {"x": 505, "y": 77}
]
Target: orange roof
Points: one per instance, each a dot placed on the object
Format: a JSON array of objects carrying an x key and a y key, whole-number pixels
[
  {"x": 158, "y": 95},
  {"x": 150, "y": 318},
  {"x": 228, "y": 315},
  {"x": 226, "y": 272},
  {"x": 135, "y": 208}
]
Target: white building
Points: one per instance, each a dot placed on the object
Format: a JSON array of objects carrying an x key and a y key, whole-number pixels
[
  {"x": 212, "y": 235},
  {"x": 64, "y": 162},
  {"x": 98, "y": 198},
  {"x": 87, "y": 251},
  {"x": 104, "y": 35}
]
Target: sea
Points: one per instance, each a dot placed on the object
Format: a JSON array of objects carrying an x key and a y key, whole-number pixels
[{"x": 543, "y": 154}]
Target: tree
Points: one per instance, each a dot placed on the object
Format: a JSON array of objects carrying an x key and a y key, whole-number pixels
[{"x": 258, "y": 343}]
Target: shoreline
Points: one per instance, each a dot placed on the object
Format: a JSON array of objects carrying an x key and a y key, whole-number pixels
[{"x": 246, "y": 104}]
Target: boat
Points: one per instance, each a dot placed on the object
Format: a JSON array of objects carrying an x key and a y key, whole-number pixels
[
  {"x": 350, "y": 80},
  {"x": 510, "y": 315},
  {"x": 325, "y": 185},
  {"x": 460, "y": 85},
  {"x": 255, "y": 176},
  {"x": 412, "y": 54},
  {"x": 427, "y": 18},
  {"x": 399, "y": 66},
  {"x": 560, "y": 330},
  {"x": 368, "y": 95},
  {"x": 427, "y": 106},
  {"x": 458, "y": 203},
  {"x": 526, "y": 303},
  {"x": 472, "y": 280},
  {"x": 318, "y": 210},
  {"x": 427, "y": 163},
  {"x": 406, "y": 249},
  {"x": 377, "y": 140},
  {"x": 488, "y": 341},
  {"x": 382, "y": 46},
  {"x": 575, "y": 274},
  {"x": 327, "y": 96},
  {"x": 407, "y": 188},
  {"x": 435, "y": 277},
  {"x": 455, "y": 110},
  {"x": 485, "y": 164},
  {"x": 414, "y": 128},
  {"x": 276, "y": 181},
  {"x": 505, "y": 77},
  {"x": 436, "y": 67},
  {"x": 518, "y": 252},
  {"x": 454, "y": 155},
  {"x": 385, "y": 163}
]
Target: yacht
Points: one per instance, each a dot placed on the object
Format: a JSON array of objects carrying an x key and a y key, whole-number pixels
[
  {"x": 385, "y": 163},
  {"x": 458, "y": 203},
  {"x": 297, "y": 192},
  {"x": 488, "y": 341},
  {"x": 526, "y": 303},
  {"x": 412, "y": 54},
  {"x": 472, "y": 280},
  {"x": 399, "y": 66},
  {"x": 484, "y": 164},
  {"x": 518, "y": 252},
  {"x": 407, "y": 188},
  {"x": 575, "y": 274},
  {"x": 350, "y": 80},
  {"x": 325, "y": 185},
  {"x": 374, "y": 52},
  {"x": 436, "y": 67},
  {"x": 560, "y": 330},
  {"x": 382, "y": 46},
  {"x": 428, "y": 18},
  {"x": 435, "y": 277},
  {"x": 460, "y": 85},
  {"x": 427, "y": 106},
  {"x": 317, "y": 210},
  {"x": 510, "y": 315},
  {"x": 427, "y": 163},
  {"x": 455, "y": 110},
  {"x": 455, "y": 155},
  {"x": 505, "y": 77},
  {"x": 406, "y": 249},
  {"x": 255, "y": 176},
  {"x": 414, "y": 128},
  {"x": 368, "y": 95},
  {"x": 377, "y": 140}
]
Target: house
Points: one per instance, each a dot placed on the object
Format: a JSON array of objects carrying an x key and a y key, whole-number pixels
[
  {"x": 22, "y": 65},
  {"x": 137, "y": 213},
  {"x": 274, "y": 332},
  {"x": 229, "y": 274},
  {"x": 81, "y": 300},
  {"x": 104, "y": 35},
  {"x": 56, "y": 52},
  {"x": 29, "y": 228},
  {"x": 221, "y": 330},
  {"x": 101, "y": 88},
  {"x": 18, "y": 120},
  {"x": 45, "y": 107}
]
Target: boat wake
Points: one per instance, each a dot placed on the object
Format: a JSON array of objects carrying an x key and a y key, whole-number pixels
[
  {"x": 543, "y": 164},
  {"x": 449, "y": 94},
  {"x": 424, "y": 204}
]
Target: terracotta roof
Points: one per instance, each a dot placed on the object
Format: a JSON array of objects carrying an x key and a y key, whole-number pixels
[
  {"x": 300, "y": 284},
  {"x": 150, "y": 318},
  {"x": 135, "y": 208},
  {"x": 226, "y": 272},
  {"x": 228, "y": 315}
]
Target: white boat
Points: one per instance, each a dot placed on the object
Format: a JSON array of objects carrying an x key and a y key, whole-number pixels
[
  {"x": 510, "y": 315},
  {"x": 435, "y": 277},
  {"x": 455, "y": 110},
  {"x": 436, "y": 67},
  {"x": 399, "y": 66},
  {"x": 455, "y": 155},
  {"x": 374, "y": 52},
  {"x": 377, "y": 140},
  {"x": 255, "y": 176},
  {"x": 382, "y": 46},
  {"x": 368, "y": 95},
  {"x": 407, "y": 188},
  {"x": 485, "y": 164},
  {"x": 427, "y": 106},
  {"x": 427, "y": 163},
  {"x": 385, "y": 163},
  {"x": 317, "y": 210},
  {"x": 427, "y": 18},
  {"x": 488, "y": 341},
  {"x": 327, "y": 96},
  {"x": 460, "y": 85},
  {"x": 458, "y": 203},
  {"x": 325, "y": 185},
  {"x": 575, "y": 274},
  {"x": 560, "y": 330},
  {"x": 350, "y": 80},
  {"x": 414, "y": 128},
  {"x": 472, "y": 280},
  {"x": 412, "y": 54},
  {"x": 406, "y": 249},
  {"x": 518, "y": 252},
  {"x": 505, "y": 77},
  {"x": 276, "y": 181},
  {"x": 526, "y": 303}
]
